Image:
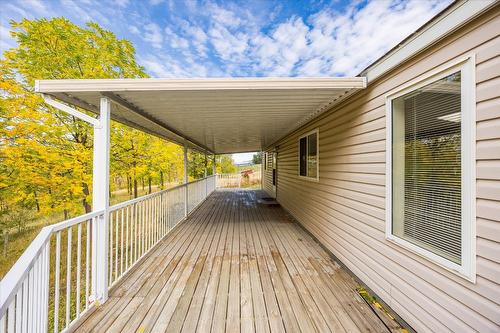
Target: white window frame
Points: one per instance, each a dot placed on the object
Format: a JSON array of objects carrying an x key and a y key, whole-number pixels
[
  {"x": 315, "y": 179},
  {"x": 467, "y": 268}
]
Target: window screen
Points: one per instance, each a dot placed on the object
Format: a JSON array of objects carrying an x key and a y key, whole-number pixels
[
  {"x": 308, "y": 156},
  {"x": 426, "y": 167}
]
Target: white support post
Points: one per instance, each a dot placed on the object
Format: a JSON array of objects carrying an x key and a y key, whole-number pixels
[
  {"x": 214, "y": 172},
  {"x": 186, "y": 180},
  {"x": 100, "y": 201},
  {"x": 206, "y": 164},
  {"x": 206, "y": 174}
]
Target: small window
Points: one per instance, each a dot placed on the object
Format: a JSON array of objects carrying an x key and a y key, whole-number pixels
[
  {"x": 308, "y": 156},
  {"x": 430, "y": 169}
]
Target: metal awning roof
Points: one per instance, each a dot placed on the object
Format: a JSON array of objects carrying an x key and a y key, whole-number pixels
[{"x": 226, "y": 115}]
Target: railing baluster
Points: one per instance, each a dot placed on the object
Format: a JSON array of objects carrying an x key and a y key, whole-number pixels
[
  {"x": 87, "y": 262},
  {"x": 19, "y": 307},
  {"x": 31, "y": 299},
  {"x": 135, "y": 233},
  {"x": 156, "y": 219},
  {"x": 56, "y": 277},
  {"x": 143, "y": 222},
  {"x": 126, "y": 236},
  {"x": 68, "y": 278},
  {"x": 24, "y": 323},
  {"x": 10, "y": 317},
  {"x": 155, "y": 209},
  {"x": 151, "y": 222},
  {"x": 116, "y": 245},
  {"x": 47, "y": 288},
  {"x": 110, "y": 276},
  {"x": 40, "y": 288},
  {"x": 148, "y": 224},
  {"x": 78, "y": 258},
  {"x": 121, "y": 243}
]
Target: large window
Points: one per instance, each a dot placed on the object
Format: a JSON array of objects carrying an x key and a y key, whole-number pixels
[
  {"x": 431, "y": 168},
  {"x": 308, "y": 156}
]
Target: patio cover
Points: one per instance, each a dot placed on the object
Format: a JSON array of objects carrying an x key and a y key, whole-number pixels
[{"x": 227, "y": 115}]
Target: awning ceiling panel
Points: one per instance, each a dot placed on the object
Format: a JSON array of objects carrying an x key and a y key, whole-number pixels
[{"x": 217, "y": 115}]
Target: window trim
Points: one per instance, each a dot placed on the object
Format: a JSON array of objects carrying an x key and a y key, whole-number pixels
[
  {"x": 314, "y": 179},
  {"x": 467, "y": 269}
]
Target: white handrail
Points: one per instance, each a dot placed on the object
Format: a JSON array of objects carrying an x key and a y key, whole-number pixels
[
  {"x": 21, "y": 268},
  {"x": 135, "y": 227}
]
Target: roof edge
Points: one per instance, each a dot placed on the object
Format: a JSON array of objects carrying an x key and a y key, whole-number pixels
[
  {"x": 450, "y": 19},
  {"x": 153, "y": 84}
]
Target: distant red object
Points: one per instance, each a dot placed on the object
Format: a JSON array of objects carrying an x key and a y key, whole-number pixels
[{"x": 247, "y": 172}]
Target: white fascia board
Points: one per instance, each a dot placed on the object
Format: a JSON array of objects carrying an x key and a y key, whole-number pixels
[
  {"x": 452, "y": 19},
  {"x": 117, "y": 85}
]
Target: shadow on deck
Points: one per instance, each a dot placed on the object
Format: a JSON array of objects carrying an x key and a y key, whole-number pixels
[{"x": 235, "y": 265}]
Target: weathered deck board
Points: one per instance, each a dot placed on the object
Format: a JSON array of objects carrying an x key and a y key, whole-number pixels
[{"x": 235, "y": 266}]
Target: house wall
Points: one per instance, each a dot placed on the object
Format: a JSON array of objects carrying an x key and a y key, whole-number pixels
[
  {"x": 267, "y": 180},
  {"x": 345, "y": 210}
]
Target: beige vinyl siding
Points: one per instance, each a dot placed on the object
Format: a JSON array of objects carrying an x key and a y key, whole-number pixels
[
  {"x": 345, "y": 210},
  {"x": 267, "y": 180}
]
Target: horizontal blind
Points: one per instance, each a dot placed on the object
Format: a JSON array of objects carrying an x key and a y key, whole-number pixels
[{"x": 431, "y": 206}]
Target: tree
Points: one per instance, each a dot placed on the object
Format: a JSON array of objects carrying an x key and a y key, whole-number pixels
[
  {"x": 225, "y": 164},
  {"x": 257, "y": 158},
  {"x": 46, "y": 155}
]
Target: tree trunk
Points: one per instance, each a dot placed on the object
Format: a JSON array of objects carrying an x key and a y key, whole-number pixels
[
  {"x": 36, "y": 202},
  {"x": 135, "y": 187},
  {"x": 129, "y": 188},
  {"x": 86, "y": 192},
  {"x": 5, "y": 242},
  {"x": 143, "y": 183},
  {"x": 161, "y": 180},
  {"x": 149, "y": 185}
]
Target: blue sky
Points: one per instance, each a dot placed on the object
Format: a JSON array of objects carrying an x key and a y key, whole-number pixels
[{"x": 211, "y": 38}]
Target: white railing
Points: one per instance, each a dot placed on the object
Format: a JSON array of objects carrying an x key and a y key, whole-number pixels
[
  {"x": 37, "y": 292},
  {"x": 228, "y": 180},
  {"x": 53, "y": 283},
  {"x": 237, "y": 180}
]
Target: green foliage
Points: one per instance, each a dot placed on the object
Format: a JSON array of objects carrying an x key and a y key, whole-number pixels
[
  {"x": 257, "y": 158},
  {"x": 225, "y": 164}
]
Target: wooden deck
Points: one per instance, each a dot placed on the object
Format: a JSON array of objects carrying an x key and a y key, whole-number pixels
[{"x": 235, "y": 265}]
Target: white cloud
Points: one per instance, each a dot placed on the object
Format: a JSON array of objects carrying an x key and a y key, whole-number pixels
[
  {"x": 339, "y": 43},
  {"x": 326, "y": 43},
  {"x": 85, "y": 11},
  {"x": 196, "y": 35},
  {"x": 35, "y": 6},
  {"x": 223, "y": 16},
  {"x": 228, "y": 45},
  {"x": 133, "y": 29},
  {"x": 122, "y": 3},
  {"x": 174, "y": 40},
  {"x": 153, "y": 35},
  {"x": 165, "y": 66},
  {"x": 278, "y": 53}
]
